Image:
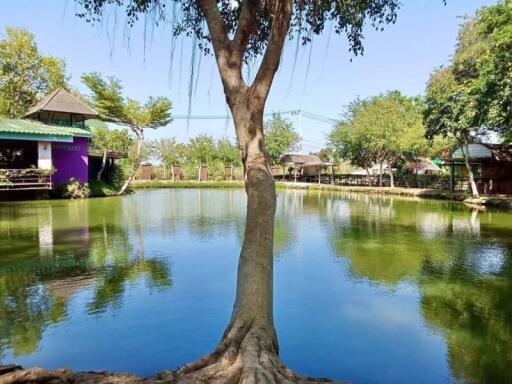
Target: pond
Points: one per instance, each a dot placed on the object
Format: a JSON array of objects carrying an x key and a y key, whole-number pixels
[{"x": 367, "y": 289}]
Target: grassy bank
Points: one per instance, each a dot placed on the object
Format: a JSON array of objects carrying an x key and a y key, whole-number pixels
[
  {"x": 503, "y": 202},
  {"x": 143, "y": 184}
]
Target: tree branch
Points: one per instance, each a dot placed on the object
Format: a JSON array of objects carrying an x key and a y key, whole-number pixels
[
  {"x": 230, "y": 71},
  {"x": 271, "y": 58},
  {"x": 246, "y": 27}
]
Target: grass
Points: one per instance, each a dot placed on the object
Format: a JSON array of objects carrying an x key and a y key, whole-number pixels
[
  {"x": 101, "y": 189},
  {"x": 143, "y": 184}
]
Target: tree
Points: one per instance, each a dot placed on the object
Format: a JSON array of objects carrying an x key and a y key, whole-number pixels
[
  {"x": 452, "y": 112},
  {"x": 25, "y": 74},
  {"x": 228, "y": 154},
  {"x": 473, "y": 93},
  {"x": 238, "y": 31},
  {"x": 170, "y": 153},
  {"x": 106, "y": 140},
  {"x": 112, "y": 106},
  {"x": 384, "y": 128},
  {"x": 202, "y": 150},
  {"x": 280, "y": 138},
  {"x": 484, "y": 59}
]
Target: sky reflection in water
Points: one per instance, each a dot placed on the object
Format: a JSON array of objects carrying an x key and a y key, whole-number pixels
[{"x": 367, "y": 289}]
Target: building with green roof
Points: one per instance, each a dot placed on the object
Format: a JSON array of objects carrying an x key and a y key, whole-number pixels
[{"x": 50, "y": 146}]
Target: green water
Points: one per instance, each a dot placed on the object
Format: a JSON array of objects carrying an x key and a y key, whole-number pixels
[{"x": 367, "y": 289}]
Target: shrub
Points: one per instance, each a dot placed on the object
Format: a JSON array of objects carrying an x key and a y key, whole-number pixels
[{"x": 73, "y": 189}]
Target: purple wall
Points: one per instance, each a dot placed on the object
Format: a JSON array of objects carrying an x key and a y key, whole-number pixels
[{"x": 71, "y": 160}]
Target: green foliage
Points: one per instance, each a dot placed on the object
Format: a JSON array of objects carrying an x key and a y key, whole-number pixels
[
  {"x": 117, "y": 140},
  {"x": 169, "y": 151},
  {"x": 280, "y": 138},
  {"x": 474, "y": 93},
  {"x": 387, "y": 127},
  {"x": 107, "y": 99},
  {"x": 201, "y": 149},
  {"x": 115, "y": 176},
  {"x": 349, "y": 17},
  {"x": 73, "y": 189},
  {"x": 227, "y": 153},
  {"x": 25, "y": 74}
]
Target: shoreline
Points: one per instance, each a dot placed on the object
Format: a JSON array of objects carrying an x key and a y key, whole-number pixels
[{"x": 498, "y": 201}]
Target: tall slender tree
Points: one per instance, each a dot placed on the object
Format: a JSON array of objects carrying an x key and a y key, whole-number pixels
[
  {"x": 238, "y": 31},
  {"x": 107, "y": 99}
]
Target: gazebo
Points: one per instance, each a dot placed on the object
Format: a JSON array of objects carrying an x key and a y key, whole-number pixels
[{"x": 306, "y": 168}]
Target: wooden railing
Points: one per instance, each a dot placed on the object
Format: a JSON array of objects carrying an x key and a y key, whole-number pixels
[{"x": 25, "y": 179}]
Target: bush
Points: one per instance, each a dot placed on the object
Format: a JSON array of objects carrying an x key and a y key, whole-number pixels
[
  {"x": 115, "y": 177},
  {"x": 73, "y": 189}
]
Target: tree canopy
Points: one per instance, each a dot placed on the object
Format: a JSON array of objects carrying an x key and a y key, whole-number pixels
[
  {"x": 26, "y": 75},
  {"x": 384, "y": 128},
  {"x": 280, "y": 138},
  {"x": 248, "y": 24},
  {"x": 107, "y": 98},
  {"x": 474, "y": 92}
]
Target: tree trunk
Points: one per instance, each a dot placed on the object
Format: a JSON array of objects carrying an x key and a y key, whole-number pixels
[
  {"x": 465, "y": 154},
  {"x": 173, "y": 176},
  {"x": 380, "y": 174},
  {"x": 369, "y": 176},
  {"x": 103, "y": 164},
  {"x": 248, "y": 351},
  {"x": 135, "y": 166},
  {"x": 391, "y": 176}
]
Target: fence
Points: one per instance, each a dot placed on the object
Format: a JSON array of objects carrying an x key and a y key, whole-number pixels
[{"x": 24, "y": 179}]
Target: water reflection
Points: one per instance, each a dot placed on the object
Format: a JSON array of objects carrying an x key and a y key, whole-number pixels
[
  {"x": 459, "y": 263},
  {"x": 61, "y": 249},
  {"x": 418, "y": 290}
]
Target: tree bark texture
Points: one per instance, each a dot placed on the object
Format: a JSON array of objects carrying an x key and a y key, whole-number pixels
[
  {"x": 136, "y": 164},
  {"x": 465, "y": 154},
  {"x": 248, "y": 352},
  {"x": 103, "y": 164}
]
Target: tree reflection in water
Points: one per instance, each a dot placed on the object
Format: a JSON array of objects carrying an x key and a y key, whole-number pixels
[
  {"x": 464, "y": 279},
  {"x": 103, "y": 252}
]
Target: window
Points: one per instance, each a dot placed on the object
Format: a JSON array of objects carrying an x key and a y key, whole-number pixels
[{"x": 11, "y": 154}]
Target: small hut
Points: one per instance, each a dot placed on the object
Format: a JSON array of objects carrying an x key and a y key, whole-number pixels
[
  {"x": 491, "y": 165},
  {"x": 306, "y": 168}
]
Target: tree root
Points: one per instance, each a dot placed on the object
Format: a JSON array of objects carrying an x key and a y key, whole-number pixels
[{"x": 246, "y": 355}]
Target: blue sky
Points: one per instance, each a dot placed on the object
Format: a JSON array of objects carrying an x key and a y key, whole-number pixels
[{"x": 401, "y": 57}]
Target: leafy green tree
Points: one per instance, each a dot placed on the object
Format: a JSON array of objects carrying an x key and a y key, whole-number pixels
[
  {"x": 107, "y": 99},
  {"x": 237, "y": 32},
  {"x": 474, "y": 92},
  {"x": 106, "y": 139},
  {"x": 451, "y": 111},
  {"x": 202, "y": 150},
  {"x": 384, "y": 128},
  {"x": 280, "y": 138},
  {"x": 170, "y": 153},
  {"x": 352, "y": 142},
  {"x": 25, "y": 74},
  {"x": 228, "y": 154}
]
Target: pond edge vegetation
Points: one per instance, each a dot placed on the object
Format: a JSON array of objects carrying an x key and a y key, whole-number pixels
[{"x": 502, "y": 202}]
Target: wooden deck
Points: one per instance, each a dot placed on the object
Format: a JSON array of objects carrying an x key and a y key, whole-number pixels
[{"x": 24, "y": 179}]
